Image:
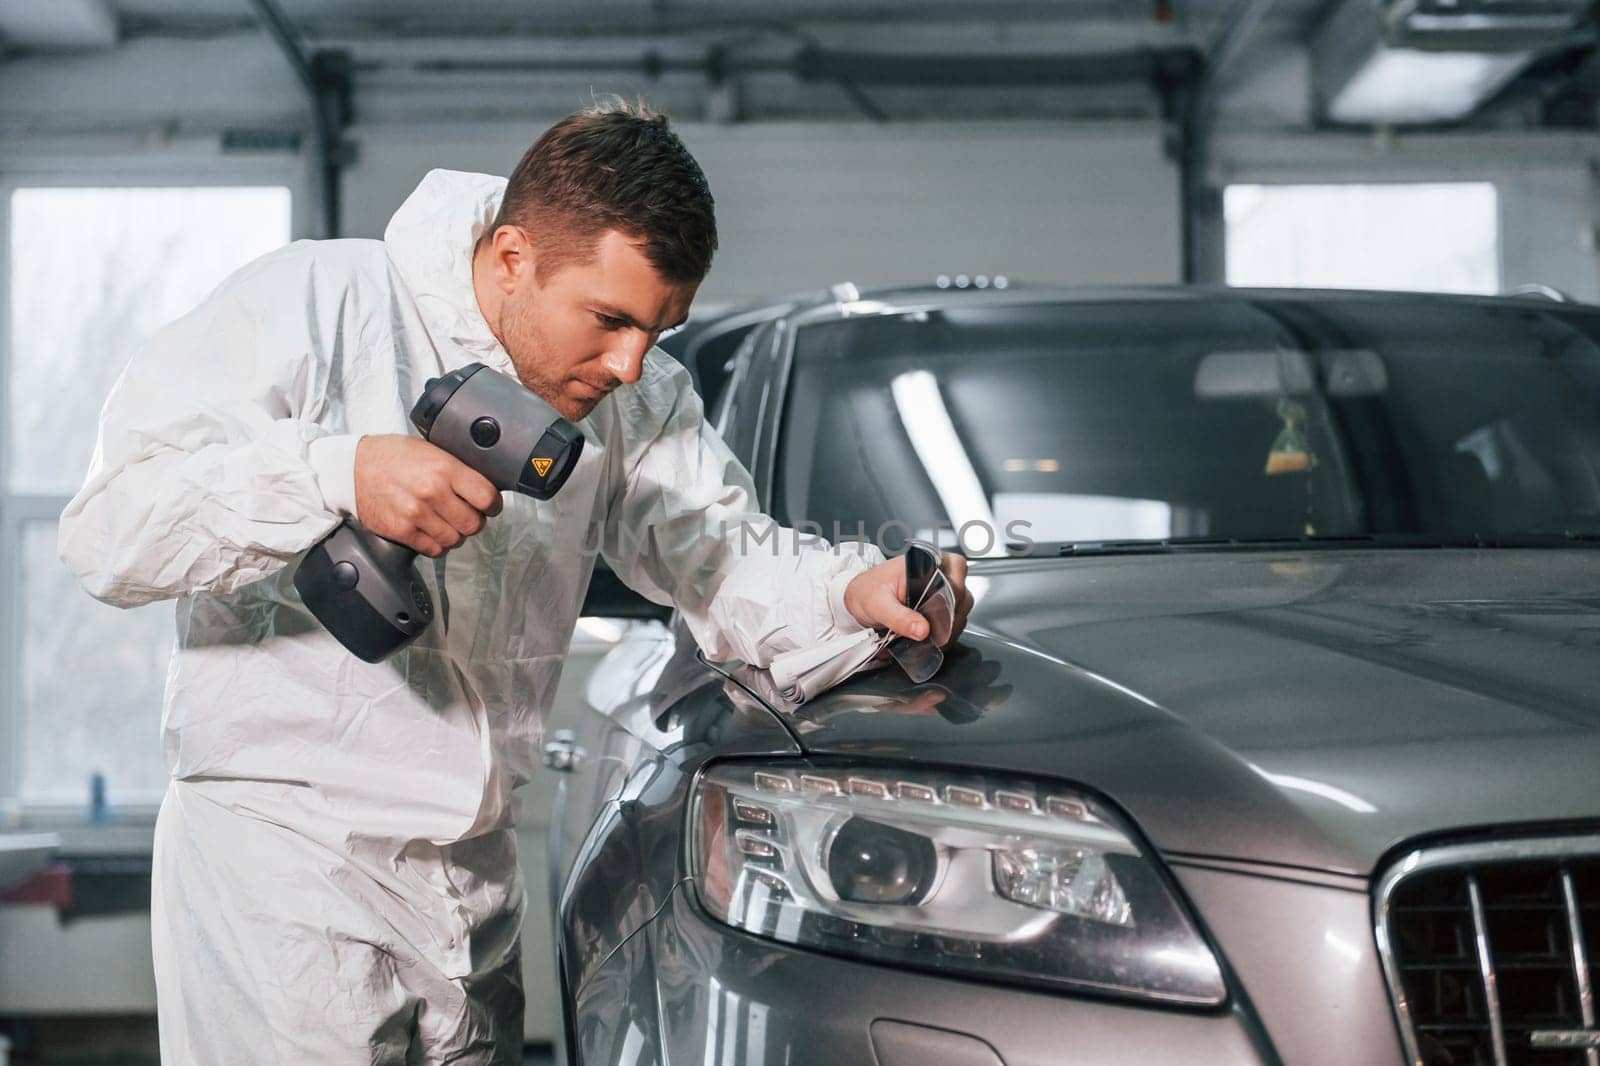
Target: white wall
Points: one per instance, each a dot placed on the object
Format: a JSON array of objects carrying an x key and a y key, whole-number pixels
[
  {"x": 804, "y": 205},
  {"x": 800, "y": 205}
]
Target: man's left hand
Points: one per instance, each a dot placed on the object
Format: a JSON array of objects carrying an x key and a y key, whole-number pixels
[{"x": 876, "y": 598}]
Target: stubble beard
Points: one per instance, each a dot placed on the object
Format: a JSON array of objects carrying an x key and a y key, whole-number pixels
[{"x": 520, "y": 323}]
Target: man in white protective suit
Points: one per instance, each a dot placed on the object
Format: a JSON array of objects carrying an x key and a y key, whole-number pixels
[{"x": 335, "y": 871}]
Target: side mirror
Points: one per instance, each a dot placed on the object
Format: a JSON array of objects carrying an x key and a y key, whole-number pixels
[{"x": 608, "y": 597}]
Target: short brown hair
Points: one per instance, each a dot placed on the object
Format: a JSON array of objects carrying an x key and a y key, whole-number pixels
[{"x": 613, "y": 166}]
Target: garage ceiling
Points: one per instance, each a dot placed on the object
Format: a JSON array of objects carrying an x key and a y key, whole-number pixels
[
  {"x": 344, "y": 17},
  {"x": 730, "y": 60}
]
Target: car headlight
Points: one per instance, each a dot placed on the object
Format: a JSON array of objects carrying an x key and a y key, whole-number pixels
[{"x": 1006, "y": 879}]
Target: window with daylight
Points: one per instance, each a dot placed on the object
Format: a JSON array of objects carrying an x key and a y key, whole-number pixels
[
  {"x": 1417, "y": 237},
  {"x": 90, "y": 274}
]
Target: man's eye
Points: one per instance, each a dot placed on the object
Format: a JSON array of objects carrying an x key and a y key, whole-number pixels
[{"x": 608, "y": 322}]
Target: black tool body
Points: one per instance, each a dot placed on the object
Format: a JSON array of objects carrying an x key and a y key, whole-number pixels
[{"x": 365, "y": 588}]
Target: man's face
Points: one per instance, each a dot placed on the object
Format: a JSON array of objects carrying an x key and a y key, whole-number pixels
[{"x": 585, "y": 329}]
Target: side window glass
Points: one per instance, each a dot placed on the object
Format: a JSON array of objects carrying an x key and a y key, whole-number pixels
[{"x": 739, "y": 407}]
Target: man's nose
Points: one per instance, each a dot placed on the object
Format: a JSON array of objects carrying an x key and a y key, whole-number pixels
[{"x": 625, "y": 361}]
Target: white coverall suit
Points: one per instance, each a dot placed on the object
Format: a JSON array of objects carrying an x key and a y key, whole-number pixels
[{"x": 336, "y": 875}]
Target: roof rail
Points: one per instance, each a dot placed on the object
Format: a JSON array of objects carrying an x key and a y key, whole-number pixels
[{"x": 1546, "y": 291}]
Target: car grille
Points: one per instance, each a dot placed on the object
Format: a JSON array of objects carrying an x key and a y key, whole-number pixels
[{"x": 1488, "y": 950}]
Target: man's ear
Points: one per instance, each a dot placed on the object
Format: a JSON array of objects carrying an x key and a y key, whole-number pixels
[{"x": 511, "y": 257}]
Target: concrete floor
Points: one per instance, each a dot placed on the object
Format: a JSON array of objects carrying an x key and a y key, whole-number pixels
[
  {"x": 541, "y": 1056},
  {"x": 118, "y": 1041},
  {"x": 533, "y": 1057}
]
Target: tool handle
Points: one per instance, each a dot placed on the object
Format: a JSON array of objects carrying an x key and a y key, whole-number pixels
[{"x": 365, "y": 589}]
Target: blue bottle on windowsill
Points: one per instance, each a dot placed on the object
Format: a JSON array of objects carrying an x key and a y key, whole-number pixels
[{"x": 99, "y": 812}]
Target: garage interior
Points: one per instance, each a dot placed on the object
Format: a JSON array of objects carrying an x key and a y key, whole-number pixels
[{"x": 1424, "y": 145}]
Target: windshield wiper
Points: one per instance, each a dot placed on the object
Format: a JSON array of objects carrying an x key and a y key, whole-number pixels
[
  {"x": 1171, "y": 545},
  {"x": 1184, "y": 544}
]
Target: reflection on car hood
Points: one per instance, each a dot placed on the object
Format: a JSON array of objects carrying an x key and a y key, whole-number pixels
[{"x": 1310, "y": 708}]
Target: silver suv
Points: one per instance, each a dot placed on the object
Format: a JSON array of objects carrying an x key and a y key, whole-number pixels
[{"x": 1273, "y": 737}]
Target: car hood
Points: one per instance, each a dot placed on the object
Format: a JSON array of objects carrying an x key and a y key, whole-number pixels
[{"x": 1307, "y": 709}]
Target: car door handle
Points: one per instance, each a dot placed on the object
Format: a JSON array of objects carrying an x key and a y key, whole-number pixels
[{"x": 561, "y": 752}]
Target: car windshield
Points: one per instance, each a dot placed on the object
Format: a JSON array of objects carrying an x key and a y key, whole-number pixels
[{"x": 1236, "y": 417}]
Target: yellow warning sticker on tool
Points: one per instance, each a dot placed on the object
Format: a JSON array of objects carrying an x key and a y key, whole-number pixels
[{"x": 542, "y": 466}]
